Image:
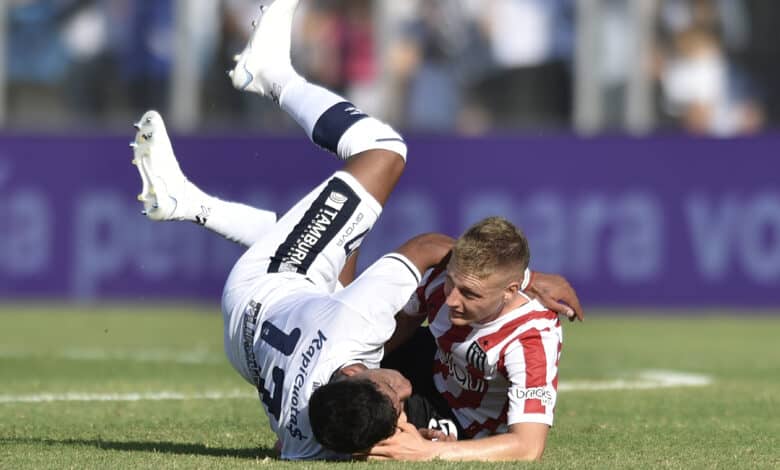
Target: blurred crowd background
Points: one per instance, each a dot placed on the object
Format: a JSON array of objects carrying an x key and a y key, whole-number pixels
[{"x": 430, "y": 66}]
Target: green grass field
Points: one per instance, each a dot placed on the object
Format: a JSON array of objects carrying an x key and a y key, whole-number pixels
[{"x": 136, "y": 387}]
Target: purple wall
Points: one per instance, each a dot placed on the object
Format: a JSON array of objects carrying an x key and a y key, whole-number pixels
[{"x": 663, "y": 221}]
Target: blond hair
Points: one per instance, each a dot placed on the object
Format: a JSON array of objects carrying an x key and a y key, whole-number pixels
[{"x": 491, "y": 244}]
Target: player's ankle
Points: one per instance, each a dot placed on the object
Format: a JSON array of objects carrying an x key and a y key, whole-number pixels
[
  {"x": 195, "y": 204},
  {"x": 284, "y": 81}
]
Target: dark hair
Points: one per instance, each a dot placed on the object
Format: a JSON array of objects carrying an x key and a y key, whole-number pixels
[{"x": 351, "y": 415}]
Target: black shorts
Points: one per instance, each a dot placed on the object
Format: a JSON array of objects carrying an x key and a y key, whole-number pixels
[{"x": 414, "y": 359}]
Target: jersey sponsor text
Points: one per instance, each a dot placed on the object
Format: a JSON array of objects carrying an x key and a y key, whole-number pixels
[
  {"x": 462, "y": 376},
  {"x": 303, "y": 370},
  {"x": 538, "y": 393}
]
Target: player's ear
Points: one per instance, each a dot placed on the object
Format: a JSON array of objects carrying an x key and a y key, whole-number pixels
[
  {"x": 511, "y": 290},
  {"x": 352, "y": 369}
]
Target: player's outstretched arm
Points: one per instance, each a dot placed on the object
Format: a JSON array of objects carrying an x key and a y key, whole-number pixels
[
  {"x": 525, "y": 441},
  {"x": 555, "y": 293}
]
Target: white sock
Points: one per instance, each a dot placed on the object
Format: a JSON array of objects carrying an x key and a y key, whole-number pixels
[
  {"x": 306, "y": 102},
  {"x": 334, "y": 123},
  {"x": 237, "y": 222}
]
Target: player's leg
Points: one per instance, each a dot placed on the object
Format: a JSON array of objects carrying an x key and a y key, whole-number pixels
[
  {"x": 168, "y": 195},
  {"x": 316, "y": 237},
  {"x": 375, "y": 153},
  {"x": 349, "y": 270}
]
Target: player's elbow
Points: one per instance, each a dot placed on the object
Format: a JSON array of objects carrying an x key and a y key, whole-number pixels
[
  {"x": 530, "y": 453},
  {"x": 529, "y": 440},
  {"x": 427, "y": 249},
  {"x": 529, "y": 450},
  {"x": 535, "y": 454}
]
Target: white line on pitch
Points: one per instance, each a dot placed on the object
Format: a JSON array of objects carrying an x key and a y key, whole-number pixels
[
  {"x": 645, "y": 380},
  {"x": 650, "y": 379},
  {"x": 147, "y": 396},
  {"x": 179, "y": 357}
]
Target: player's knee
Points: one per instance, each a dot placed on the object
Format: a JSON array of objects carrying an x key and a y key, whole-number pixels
[{"x": 371, "y": 134}]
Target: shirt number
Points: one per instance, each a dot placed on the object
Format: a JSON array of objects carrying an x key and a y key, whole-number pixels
[{"x": 285, "y": 344}]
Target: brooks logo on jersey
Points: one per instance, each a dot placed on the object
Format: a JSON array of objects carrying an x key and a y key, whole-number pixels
[{"x": 537, "y": 393}]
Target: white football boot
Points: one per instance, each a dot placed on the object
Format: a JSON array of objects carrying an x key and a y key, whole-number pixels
[
  {"x": 264, "y": 66},
  {"x": 166, "y": 192}
]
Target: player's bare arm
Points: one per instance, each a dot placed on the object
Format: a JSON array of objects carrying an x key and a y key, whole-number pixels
[
  {"x": 555, "y": 293},
  {"x": 405, "y": 326},
  {"x": 524, "y": 441},
  {"x": 426, "y": 250}
]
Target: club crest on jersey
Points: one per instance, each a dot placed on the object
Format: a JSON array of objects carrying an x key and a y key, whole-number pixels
[{"x": 476, "y": 357}]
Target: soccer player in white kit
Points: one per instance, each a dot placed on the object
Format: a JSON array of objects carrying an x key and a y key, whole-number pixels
[{"x": 289, "y": 326}]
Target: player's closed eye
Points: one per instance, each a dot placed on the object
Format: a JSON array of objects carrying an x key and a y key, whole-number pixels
[{"x": 470, "y": 295}]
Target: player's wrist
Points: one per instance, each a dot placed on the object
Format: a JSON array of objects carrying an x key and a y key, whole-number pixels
[{"x": 434, "y": 450}]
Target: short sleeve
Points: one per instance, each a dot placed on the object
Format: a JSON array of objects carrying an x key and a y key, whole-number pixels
[
  {"x": 379, "y": 293},
  {"x": 415, "y": 306},
  {"x": 418, "y": 304},
  {"x": 532, "y": 369}
]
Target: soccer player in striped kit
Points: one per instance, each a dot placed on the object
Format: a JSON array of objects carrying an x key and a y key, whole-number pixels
[{"x": 495, "y": 355}]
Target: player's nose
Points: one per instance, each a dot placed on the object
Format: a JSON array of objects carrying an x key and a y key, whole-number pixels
[{"x": 454, "y": 300}]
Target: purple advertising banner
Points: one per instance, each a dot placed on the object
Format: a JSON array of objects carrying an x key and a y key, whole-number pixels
[{"x": 665, "y": 221}]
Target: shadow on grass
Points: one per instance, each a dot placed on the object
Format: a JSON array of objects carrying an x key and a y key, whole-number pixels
[{"x": 180, "y": 448}]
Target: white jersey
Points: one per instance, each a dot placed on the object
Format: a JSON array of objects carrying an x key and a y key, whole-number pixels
[
  {"x": 288, "y": 325},
  {"x": 494, "y": 374}
]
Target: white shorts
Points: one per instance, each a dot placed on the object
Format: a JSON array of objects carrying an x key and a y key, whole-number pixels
[{"x": 309, "y": 245}]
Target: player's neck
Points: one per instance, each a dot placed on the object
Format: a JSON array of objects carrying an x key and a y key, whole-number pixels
[{"x": 517, "y": 301}]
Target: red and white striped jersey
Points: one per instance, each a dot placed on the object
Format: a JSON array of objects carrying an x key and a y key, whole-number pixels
[{"x": 493, "y": 374}]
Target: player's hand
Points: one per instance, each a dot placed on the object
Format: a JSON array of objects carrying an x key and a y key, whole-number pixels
[
  {"x": 406, "y": 444},
  {"x": 436, "y": 435},
  {"x": 555, "y": 293}
]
